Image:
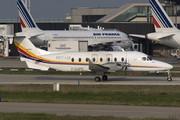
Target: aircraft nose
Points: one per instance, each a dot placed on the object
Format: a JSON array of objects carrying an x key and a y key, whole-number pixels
[{"x": 169, "y": 67}]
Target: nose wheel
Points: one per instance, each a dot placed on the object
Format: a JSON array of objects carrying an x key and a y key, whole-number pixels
[{"x": 169, "y": 79}]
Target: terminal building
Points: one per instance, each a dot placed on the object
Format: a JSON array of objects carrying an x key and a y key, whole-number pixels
[{"x": 134, "y": 18}]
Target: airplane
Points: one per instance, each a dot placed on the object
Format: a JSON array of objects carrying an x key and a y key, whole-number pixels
[
  {"x": 166, "y": 33},
  {"x": 99, "y": 62},
  {"x": 97, "y": 39}
]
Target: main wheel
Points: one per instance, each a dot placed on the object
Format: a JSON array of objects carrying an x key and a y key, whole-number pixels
[
  {"x": 169, "y": 79},
  {"x": 104, "y": 77},
  {"x": 97, "y": 79}
]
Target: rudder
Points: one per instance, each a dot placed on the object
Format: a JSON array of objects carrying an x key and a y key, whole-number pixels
[
  {"x": 162, "y": 22},
  {"x": 27, "y": 22}
]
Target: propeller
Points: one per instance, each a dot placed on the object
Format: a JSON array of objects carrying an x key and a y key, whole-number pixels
[{"x": 126, "y": 65}]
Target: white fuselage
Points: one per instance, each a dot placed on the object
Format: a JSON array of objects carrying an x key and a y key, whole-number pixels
[
  {"x": 94, "y": 37},
  {"x": 76, "y": 61},
  {"x": 172, "y": 41}
]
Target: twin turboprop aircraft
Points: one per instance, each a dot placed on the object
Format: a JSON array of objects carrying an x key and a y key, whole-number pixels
[
  {"x": 97, "y": 62},
  {"x": 97, "y": 39},
  {"x": 166, "y": 33}
]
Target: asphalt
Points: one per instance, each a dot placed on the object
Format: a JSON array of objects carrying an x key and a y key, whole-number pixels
[
  {"x": 85, "y": 80},
  {"x": 92, "y": 110}
]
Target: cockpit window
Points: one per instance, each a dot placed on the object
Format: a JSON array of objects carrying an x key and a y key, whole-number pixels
[
  {"x": 144, "y": 58},
  {"x": 149, "y": 58}
]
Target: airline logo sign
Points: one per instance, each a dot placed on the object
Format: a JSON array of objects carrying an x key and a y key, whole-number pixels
[
  {"x": 63, "y": 46},
  {"x": 160, "y": 18},
  {"x": 25, "y": 18},
  {"x": 106, "y": 34}
]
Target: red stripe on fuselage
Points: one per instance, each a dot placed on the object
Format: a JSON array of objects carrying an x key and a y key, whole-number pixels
[
  {"x": 22, "y": 23},
  {"x": 156, "y": 23}
]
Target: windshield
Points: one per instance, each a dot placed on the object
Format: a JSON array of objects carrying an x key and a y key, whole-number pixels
[
  {"x": 144, "y": 58},
  {"x": 149, "y": 58}
]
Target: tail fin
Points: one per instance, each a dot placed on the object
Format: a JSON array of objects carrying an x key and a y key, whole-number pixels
[
  {"x": 29, "y": 53},
  {"x": 26, "y": 49},
  {"x": 162, "y": 21},
  {"x": 27, "y": 22}
]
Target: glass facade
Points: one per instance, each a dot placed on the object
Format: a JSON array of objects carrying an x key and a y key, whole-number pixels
[
  {"x": 91, "y": 18},
  {"x": 132, "y": 13},
  {"x": 142, "y": 11}
]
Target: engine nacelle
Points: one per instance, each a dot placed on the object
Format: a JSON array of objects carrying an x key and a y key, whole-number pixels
[{"x": 115, "y": 48}]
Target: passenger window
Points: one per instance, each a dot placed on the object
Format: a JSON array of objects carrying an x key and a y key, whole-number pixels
[
  {"x": 144, "y": 58},
  {"x": 79, "y": 59},
  {"x": 72, "y": 59},
  {"x": 108, "y": 59},
  {"x": 101, "y": 59},
  {"x": 115, "y": 59},
  {"x": 122, "y": 59},
  {"x": 86, "y": 59}
]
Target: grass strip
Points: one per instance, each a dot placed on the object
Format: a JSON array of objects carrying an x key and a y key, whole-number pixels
[
  {"x": 168, "y": 96},
  {"x": 43, "y": 116}
]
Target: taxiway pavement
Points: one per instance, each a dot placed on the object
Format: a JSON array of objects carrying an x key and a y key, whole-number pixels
[
  {"x": 85, "y": 80},
  {"x": 93, "y": 110}
]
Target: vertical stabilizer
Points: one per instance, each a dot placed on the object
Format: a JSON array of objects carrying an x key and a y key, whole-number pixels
[
  {"x": 162, "y": 22},
  {"x": 27, "y": 22},
  {"x": 26, "y": 49},
  {"x": 29, "y": 53}
]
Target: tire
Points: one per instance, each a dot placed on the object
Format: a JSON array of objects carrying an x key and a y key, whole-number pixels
[
  {"x": 104, "y": 77},
  {"x": 97, "y": 79},
  {"x": 169, "y": 79}
]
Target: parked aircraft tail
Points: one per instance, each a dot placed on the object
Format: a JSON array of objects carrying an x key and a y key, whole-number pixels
[
  {"x": 162, "y": 22},
  {"x": 27, "y": 22}
]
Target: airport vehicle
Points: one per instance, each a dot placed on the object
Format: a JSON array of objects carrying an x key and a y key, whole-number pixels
[
  {"x": 166, "y": 33},
  {"x": 97, "y": 39},
  {"x": 98, "y": 62}
]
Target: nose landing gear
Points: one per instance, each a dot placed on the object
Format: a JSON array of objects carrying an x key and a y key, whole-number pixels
[{"x": 169, "y": 79}]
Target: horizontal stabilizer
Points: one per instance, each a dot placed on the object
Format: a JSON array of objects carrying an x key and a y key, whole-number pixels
[
  {"x": 43, "y": 52},
  {"x": 34, "y": 64},
  {"x": 137, "y": 36},
  {"x": 165, "y": 36},
  {"x": 5, "y": 35}
]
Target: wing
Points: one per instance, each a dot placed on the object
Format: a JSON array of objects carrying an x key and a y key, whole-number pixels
[
  {"x": 107, "y": 67},
  {"x": 137, "y": 36}
]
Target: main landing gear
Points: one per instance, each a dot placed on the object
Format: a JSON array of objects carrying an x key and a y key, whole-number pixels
[
  {"x": 98, "y": 79},
  {"x": 169, "y": 79}
]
